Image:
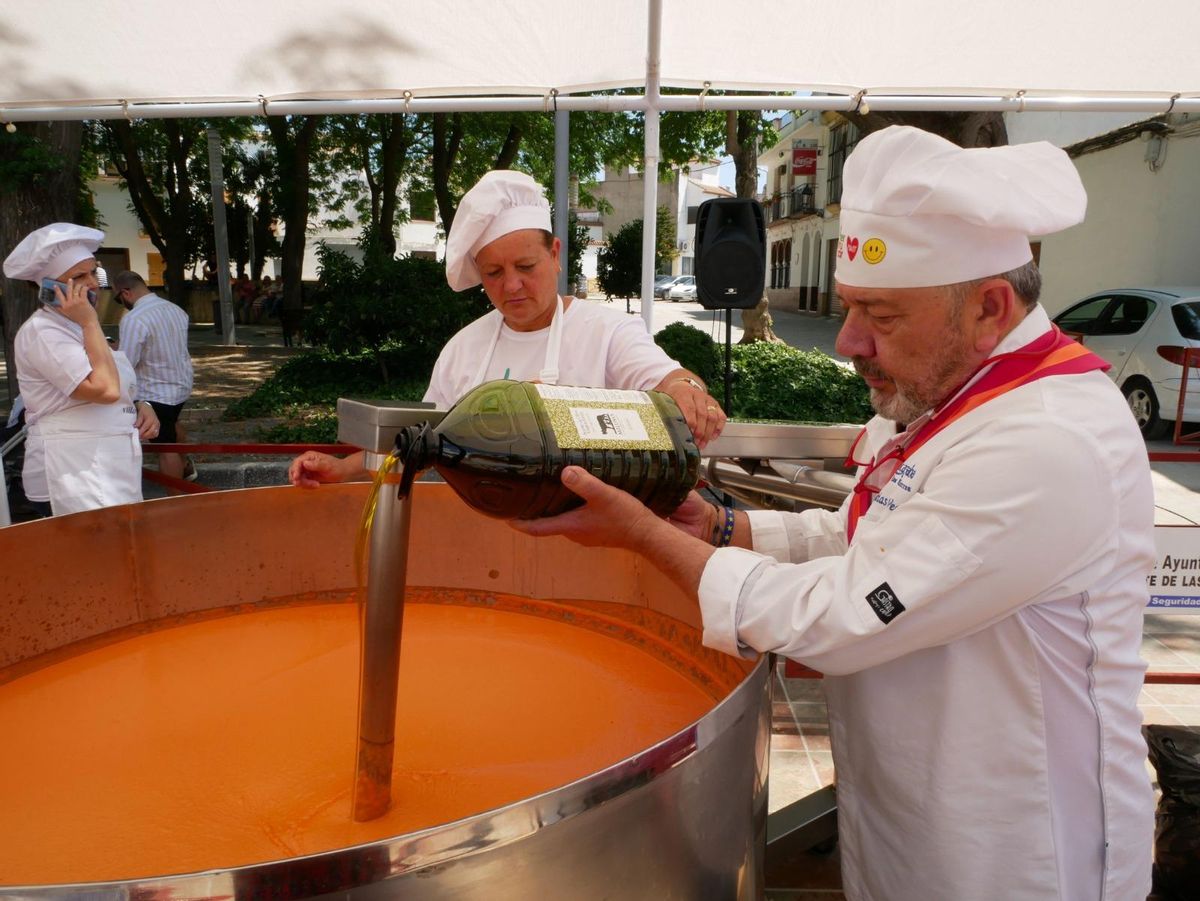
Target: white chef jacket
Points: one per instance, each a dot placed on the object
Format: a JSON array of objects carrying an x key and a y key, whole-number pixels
[
  {"x": 78, "y": 455},
  {"x": 602, "y": 348},
  {"x": 980, "y": 641}
]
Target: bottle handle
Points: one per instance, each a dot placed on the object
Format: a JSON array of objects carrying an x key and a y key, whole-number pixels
[{"x": 412, "y": 442}]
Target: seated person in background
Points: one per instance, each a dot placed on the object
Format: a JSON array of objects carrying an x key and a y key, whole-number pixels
[
  {"x": 244, "y": 292},
  {"x": 83, "y": 449},
  {"x": 501, "y": 237}
]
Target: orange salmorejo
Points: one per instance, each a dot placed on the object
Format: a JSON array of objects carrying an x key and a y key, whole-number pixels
[{"x": 231, "y": 740}]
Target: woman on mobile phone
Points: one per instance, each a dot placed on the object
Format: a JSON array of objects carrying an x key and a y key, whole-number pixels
[{"x": 83, "y": 450}]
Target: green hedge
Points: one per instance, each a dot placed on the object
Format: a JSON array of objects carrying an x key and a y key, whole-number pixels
[{"x": 772, "y": 381}]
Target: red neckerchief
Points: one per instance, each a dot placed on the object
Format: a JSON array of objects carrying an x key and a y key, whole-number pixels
[{"x": 1050, "y": 354}]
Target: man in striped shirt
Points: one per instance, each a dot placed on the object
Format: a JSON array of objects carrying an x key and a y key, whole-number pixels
[{"x": 153, "y": 335}]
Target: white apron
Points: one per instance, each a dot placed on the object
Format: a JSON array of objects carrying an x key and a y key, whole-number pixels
[
  {"x": 92, "y": 453},
  {"x": 549, "y": 373}
]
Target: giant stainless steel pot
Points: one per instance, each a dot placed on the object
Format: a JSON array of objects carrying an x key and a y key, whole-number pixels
[{"x": 685, "y": 818}]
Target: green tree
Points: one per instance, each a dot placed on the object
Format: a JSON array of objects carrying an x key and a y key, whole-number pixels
[
  {"x": 373, "y": 155},
  {"x": 619, "y": 265},
  {"x": 154, "y": 160},
  {"x": 40, "y": 183},
  {"x": 296, "y": 139},
  {"x": 398, "y": 311}
]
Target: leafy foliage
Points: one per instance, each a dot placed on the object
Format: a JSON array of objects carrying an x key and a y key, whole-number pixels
[
  {"x": 399, "y": 312},
  {"x": 692, "y": 349},
  {"x": 319, "y": 378},
  {"x": 619, "y": 264},
  {"x": 775, "y": 381}
]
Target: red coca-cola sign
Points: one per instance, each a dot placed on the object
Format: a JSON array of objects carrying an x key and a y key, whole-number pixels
[{"x": 804, "y": 161}]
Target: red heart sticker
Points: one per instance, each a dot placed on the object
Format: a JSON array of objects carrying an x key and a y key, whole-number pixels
[{"x": 852, "y": 247}]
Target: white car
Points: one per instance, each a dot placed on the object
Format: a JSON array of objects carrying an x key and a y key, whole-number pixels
[
  {"x": 684, "y": 288},
  {"x": 1143, "y": 333}
]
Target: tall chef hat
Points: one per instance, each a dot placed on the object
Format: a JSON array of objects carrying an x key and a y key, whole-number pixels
[
  {"x": 919, "y": 211},
  {"x": 52, "y": 250},
  {"x": 502, "y": 201}
]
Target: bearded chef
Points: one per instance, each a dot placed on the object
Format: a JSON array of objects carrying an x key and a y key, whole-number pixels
[
  {"x": 976, "y": 604},
  {"x": 83, "y": 449},
  {"x": 501, "y": 239}
]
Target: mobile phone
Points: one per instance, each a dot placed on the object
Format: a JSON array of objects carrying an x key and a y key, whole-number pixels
[{"x": 47, "y": 296}]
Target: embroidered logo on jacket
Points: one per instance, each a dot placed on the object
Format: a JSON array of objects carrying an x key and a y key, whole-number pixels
[{"x": 885, "y": 603}]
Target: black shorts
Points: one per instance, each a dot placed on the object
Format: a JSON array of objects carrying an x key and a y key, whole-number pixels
[{"x": 168, "y": 415}]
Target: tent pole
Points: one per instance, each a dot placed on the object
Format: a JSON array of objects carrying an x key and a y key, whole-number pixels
[
  {"x": 604, "y": 103},
  {"x": 562, "y": 176},
  {"x": 221, "y": 236},
  {"x": 650, "y": 162}
]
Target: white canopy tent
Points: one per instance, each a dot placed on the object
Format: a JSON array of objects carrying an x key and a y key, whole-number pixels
[{"x": 71, "y": 59}]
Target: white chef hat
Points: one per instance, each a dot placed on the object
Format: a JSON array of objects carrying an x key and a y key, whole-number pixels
[
  {"x": 52, "y": 250},
  {"x": 919, "y": 211},
  {"x": 502, "y": 201}
]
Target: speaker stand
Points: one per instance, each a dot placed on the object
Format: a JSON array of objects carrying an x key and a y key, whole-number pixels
[{"x": 726, "y": 498}]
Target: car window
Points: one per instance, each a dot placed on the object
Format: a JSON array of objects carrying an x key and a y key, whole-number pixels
[
  {"x": 1187, "y": 319},
  {"x": 1086, "y": 318},
  {"x": 1127, "y": 315}
]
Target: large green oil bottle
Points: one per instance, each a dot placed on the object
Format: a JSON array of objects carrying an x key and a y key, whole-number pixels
[{"x": 504, "y": 445}]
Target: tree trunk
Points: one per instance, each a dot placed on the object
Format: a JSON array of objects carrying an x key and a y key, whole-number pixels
[
  {"x": 447, "y": 134},
  {"x": 166, "y": 218},
  {"x": 756, "y": 324},
  {"x": 740, "y": 129},
  {"x": 393, "y": 152},
  {"x": 28, "y": 203},
  {"x": 293, "y": 141}
]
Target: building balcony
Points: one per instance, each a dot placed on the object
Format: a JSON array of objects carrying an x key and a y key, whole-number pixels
[{"x": 794, "y": 204}]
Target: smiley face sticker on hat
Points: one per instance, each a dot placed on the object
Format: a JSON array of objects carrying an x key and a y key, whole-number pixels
[{"x": 874, "y": 250}]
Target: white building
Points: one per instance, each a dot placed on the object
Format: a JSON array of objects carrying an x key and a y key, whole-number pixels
[
  {"x": 801, "y": 203},
  {"x": 681, "y": 192},
  {"x": 1143, "y": 218}
]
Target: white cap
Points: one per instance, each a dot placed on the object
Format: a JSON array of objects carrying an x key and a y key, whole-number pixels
[
  {"x": 52, "y": 250},
  {"x": 919, "y": 211},
  {"x": 502, "y": 201}
]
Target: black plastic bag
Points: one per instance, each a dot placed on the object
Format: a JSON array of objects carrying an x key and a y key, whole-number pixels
[{"x": 1175, "y": 753}]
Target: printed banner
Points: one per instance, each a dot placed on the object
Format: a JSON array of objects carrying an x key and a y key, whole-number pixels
[{"x": 1175, "y": 580}]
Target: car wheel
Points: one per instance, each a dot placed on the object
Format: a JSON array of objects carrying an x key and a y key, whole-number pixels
[{"x": 1143, "y": 404}]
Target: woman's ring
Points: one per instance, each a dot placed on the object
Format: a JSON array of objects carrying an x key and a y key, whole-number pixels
[{"x": 712, "y": 409}]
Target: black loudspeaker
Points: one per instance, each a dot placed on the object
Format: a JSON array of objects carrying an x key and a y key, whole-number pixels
[{"x": 731, "y": 253}]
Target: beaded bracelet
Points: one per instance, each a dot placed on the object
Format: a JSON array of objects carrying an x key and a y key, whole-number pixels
[{"x": 723, "y": 533}]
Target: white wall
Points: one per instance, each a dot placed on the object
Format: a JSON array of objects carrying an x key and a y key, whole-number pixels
[
  {"x": 121, "y": 228},
  {"x": 1064, "y": 128},
  {"x": 1142, "y": 227}
]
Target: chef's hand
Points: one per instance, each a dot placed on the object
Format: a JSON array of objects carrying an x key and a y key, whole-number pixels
[
  {"x": 74, "y": 304},
  {"x": 146, "y": 421},
  {"x": 313, "y": 468},
  {"x": 609, "y": 517},
  {"x": 703, "y": 414},
  {"x": 695, "y": 517}
]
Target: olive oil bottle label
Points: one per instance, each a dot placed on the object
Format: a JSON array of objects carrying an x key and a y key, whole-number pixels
[
  {"x": 603, "y": 395},
  {"x": 604, "y": 418}
]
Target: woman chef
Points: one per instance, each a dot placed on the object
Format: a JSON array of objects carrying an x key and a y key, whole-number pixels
[
  {"x": 501, "y": 238},
  {"x": 83, "y": 449}
]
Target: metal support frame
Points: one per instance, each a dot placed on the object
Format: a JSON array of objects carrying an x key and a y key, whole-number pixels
[
  {"x": 1191, "y": 358},
  {"x": 221, "y": 237},
  {"x": 562, "y": 188}
]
